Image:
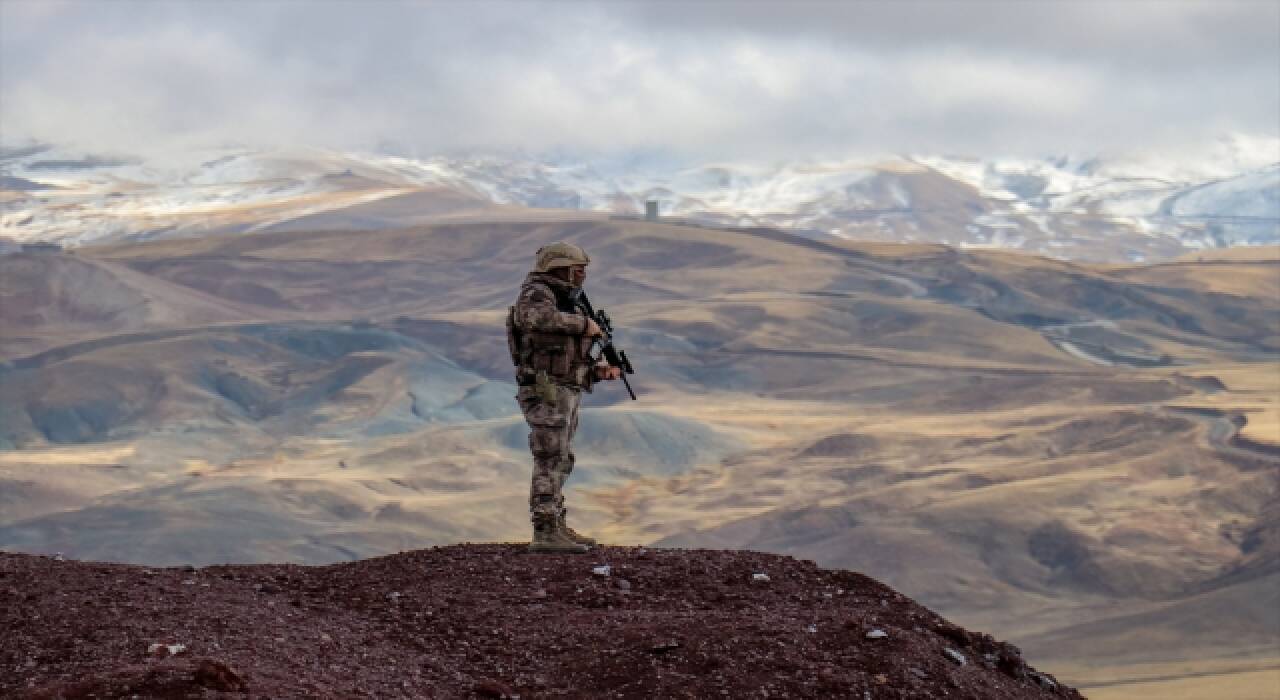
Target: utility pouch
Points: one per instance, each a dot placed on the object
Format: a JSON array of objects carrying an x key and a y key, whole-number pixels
[{"x": 546, "y": 391}]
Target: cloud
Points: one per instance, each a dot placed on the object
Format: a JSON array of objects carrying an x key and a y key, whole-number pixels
[{"x": 709, "y": 80}]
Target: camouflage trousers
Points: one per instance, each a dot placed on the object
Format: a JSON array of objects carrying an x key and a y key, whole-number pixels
[{"x": 552, "y": 423}]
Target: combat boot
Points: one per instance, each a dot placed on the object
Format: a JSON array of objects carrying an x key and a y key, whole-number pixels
[
  {"x": 570, "y": 532},
  {"x": 547, "y": 537}
]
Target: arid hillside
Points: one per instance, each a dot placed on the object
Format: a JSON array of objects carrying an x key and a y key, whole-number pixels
[{"x": 1082, "y": 459}]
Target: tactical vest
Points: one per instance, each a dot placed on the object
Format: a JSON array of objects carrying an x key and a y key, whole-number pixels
[{"x": 561, "y": 357}]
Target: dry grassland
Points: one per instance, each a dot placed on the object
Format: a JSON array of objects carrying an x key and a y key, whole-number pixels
[{"x": 1238, "y": 679}]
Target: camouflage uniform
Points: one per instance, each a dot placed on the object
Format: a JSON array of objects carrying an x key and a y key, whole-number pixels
[{"x": 552, "y": 370}]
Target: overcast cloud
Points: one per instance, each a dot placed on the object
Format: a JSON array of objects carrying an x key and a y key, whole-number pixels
[{"x": 732, "y": 80}]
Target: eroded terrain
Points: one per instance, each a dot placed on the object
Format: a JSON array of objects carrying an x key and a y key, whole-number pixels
[{"x": 1081, "y": 459}]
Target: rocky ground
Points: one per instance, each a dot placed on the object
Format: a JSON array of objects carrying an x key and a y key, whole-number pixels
[{"x": 489, "y": 621}]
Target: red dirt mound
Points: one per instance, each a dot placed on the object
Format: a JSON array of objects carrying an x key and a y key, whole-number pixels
[{"x": 489, "y": 621}]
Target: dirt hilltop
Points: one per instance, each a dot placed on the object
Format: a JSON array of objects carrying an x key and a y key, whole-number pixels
[{"x": 492, "y": 621}]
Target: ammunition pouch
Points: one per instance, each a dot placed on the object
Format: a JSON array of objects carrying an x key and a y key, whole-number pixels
[
  {"x": 533, "y": 353},
  {"x": 559, "y": 357},
  {"x": 551, "y": 353}
]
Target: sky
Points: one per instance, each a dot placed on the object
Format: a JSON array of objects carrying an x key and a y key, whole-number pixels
[{"x": 710, "y": 80}]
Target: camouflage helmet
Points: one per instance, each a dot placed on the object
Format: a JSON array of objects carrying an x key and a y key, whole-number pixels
[{"x": 559, "y": 254}]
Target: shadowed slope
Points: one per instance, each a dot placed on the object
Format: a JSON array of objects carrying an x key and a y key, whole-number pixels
[
  {"x": 50, "y": 299},
  {"x": 451, "y": 267}
]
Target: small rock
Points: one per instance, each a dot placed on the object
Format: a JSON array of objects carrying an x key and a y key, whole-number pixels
[
  {"x": 57, "y": 556},
  {"x": 189, "y": 582},
  {"x": 163, "y": 650},
  {"x": 216, "y": 675},
  {"x": 955, "y": 656},
  {"x": 877, "y": 634},
  {"x": 664, "y": 647},
  {"x": 1045, "y": 682},
  {"x": 393, "y": 596},
  {"x": 811, "y": 629},
  {"x": 539, "y": 593},
  {"x": 624, "y": 584},
  {"x": 760, "y": 578},
  {"x": 602, "y": 570},
  {"x": 324, "y": 637},
  {"x": 918, "y": 672}
]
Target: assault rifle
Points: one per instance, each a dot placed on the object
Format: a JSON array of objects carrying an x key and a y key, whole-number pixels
[{"x": 603, "y": 346}]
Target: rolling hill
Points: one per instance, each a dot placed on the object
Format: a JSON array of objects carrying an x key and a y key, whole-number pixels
[{"x": 1081, "y": 458}]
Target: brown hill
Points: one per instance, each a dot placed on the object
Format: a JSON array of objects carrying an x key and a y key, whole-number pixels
[
  {"x": 1046, "y": 450},
  {"x": 51, "y": 299},
  {"x": 490, "y": 621}
]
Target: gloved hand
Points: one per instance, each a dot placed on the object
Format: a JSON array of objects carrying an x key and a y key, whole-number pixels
[{"x": 605, "y": 371}]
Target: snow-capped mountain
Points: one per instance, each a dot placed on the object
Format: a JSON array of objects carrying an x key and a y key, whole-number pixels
[{"x": 1088, "y": 209}]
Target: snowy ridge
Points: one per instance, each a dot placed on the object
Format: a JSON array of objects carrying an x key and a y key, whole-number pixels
[{"x": 1067, "y": 207}]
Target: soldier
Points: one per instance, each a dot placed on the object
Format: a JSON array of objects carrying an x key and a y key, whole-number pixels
[{"x": 549, "y": 341}]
